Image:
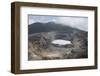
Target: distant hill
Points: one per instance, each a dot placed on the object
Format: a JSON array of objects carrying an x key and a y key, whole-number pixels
[{"x": 48, "y": 27}]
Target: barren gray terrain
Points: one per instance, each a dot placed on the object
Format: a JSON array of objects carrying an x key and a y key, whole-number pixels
[{"x": 40, "y": 46}]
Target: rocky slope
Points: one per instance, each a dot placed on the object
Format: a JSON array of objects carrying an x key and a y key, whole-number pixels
[{"x": 40, "y": 47}]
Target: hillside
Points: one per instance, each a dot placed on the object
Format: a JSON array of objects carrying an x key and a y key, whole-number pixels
[{"x": 48, "y": 27}]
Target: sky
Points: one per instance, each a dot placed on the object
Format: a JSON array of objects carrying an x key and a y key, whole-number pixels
[{"x": 73, "y": 21}]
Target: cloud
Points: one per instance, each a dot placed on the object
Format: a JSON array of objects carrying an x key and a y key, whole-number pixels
[
  {"x": 43, "y": 19},
  {"x": 77, "y": 22}
]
